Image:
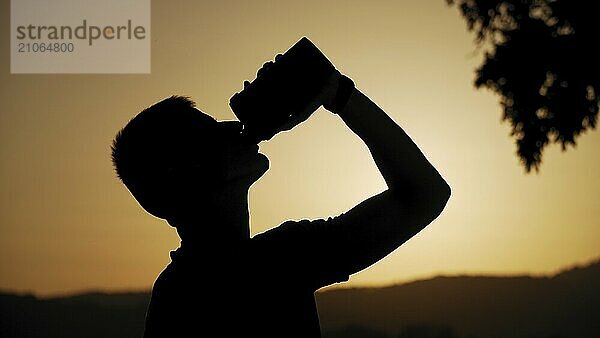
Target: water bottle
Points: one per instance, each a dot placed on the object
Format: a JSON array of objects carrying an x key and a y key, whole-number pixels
[{"x": 282, "y": 90}]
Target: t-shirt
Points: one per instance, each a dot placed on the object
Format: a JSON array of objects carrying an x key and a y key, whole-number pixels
[{"x": 263, "y": 289}]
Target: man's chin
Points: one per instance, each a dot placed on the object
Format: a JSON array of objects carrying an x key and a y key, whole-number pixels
[
  {"x": 250, "y": 171},
  {"x": 261, "y": 167}
]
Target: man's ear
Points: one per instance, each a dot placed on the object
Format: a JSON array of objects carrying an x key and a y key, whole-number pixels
[{"x": 153, "y": 196}]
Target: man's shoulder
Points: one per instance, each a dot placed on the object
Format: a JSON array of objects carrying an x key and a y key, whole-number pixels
[
  {"x": 291, "y": 228},
  {"x": 305, "y": 251}
]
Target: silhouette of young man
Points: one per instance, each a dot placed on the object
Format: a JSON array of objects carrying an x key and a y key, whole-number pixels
[{"x": 183, "y": 166}]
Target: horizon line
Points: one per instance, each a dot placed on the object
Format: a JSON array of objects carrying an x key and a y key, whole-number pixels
[{"x": 339, "y": 286}]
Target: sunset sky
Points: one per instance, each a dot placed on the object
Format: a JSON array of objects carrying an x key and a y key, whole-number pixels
[{"x": 68, "y": 225}]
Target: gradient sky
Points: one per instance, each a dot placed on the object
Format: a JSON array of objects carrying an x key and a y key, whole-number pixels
[{"x": 67, "y": 224}]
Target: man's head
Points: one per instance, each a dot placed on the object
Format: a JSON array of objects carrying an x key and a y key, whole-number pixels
[{"x": 173, "y": 158}]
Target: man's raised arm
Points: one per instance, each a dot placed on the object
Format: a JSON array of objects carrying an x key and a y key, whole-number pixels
[{"x": 416, "y": 192}]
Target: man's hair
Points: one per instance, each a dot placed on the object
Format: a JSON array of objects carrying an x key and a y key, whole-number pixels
[{"x": 165, "y": 135}]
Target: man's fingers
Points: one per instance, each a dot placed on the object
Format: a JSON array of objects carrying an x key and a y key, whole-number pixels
[
  {"x": 296, "y": 119},
  {"x": 264, "y": 68}
]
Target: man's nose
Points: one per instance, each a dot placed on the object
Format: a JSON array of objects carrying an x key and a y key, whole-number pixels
[{"x": 232, "y": 127}]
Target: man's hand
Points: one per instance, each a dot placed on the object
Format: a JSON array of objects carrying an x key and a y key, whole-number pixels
[{"x": 325, "y": 96}]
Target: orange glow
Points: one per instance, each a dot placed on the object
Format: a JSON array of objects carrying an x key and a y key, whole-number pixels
[{"x": 67, "y": 224}]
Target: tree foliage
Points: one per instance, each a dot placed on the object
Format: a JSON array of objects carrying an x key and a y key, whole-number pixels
[{"x": 540, "y": 59}]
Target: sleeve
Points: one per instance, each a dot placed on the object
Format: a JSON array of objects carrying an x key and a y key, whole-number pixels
[{"x": 307, "y": 251}]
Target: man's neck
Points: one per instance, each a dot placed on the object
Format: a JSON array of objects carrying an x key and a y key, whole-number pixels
[{"x": 225, "y": 222}]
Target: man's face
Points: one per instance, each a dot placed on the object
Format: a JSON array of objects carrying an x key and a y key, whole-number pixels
[{"x": 221, "y": 161}]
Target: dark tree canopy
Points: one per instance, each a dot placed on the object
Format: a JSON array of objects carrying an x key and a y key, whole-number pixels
[{"x": 542, "y": 63}]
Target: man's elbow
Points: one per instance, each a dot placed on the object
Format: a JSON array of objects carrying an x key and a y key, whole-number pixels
[
  {"x": 439, "y": 198},
  {"x": 426, "y": 202},
  {"x": 432, "y": 200},
  {"x": 444, "y": 195}
]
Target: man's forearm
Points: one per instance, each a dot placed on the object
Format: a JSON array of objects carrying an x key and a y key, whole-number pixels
[{"x": 403, "y": 166}]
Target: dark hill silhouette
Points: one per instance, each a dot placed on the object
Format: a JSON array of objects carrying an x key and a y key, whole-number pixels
[
  {"x": 87, "y": 315},
  {"x": 564, "y": 305}
]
